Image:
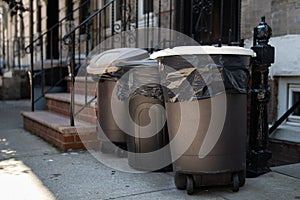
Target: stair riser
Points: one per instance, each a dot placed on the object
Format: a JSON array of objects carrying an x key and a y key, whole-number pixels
[
  {"x": 71, "y": 141},
  {"x": 80, "y": 88},
  {"x": 284, "y": 153},
  {"x": 88, "y": 114}
]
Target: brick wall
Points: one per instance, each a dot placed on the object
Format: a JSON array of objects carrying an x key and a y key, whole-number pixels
[
  {"x": 65, "y": 142},
  {"x": 273, "y": 103},
  {"x": 88, "y": 114},
  {"x": 284, "y": 153}
]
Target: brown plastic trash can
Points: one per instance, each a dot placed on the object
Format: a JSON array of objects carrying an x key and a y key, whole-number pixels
[
  {"x": 103, "y": 68},
  {"x": 146, "y": 107},
  {"x": 215, "y": 155}
]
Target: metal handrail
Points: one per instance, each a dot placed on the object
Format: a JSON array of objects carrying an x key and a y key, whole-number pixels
[
  {"x": 55, "y": 26},
  {"x": 69, "y": 39},
  {"x": 30, "y": 49},
  {"x": 68, "y": 35},
  {"x": 85, "y": 105},
  {"x": 48, "y": 90},
  {"x": 284, "y": 117}
]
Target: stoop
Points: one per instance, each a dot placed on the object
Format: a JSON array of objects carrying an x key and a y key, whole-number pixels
[{"x": 54, "y": 128}]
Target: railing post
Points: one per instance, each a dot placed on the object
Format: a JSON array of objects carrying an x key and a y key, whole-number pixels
[
  {"x": 87, "y": 31},
  {"x": 31, "y": 57},
  {"x": 257, "y": 154},
  {"x": 71, "y": 44},
  {"x": 112, "y": 23},
  {"x": 221, "y": 24}
]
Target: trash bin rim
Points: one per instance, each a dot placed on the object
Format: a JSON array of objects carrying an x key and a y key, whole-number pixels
[
  {"x": 137, "y": 63},
  {"x": 203, "y": 50},
  {"x": 111, "y": 57}
]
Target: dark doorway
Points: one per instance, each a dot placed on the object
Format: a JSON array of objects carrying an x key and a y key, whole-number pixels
[{"x": 52, "y": 51}]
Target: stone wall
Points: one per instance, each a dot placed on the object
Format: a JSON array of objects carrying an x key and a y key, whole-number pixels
[
  {"x": 284, "y": 18},
  {"x": 15, "y": 87},
  {"x": 282, "y": 15}
]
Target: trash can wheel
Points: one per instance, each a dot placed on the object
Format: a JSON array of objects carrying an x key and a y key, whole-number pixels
[
  {"x": 236, "y": 183},
  {"x": 180, "y": 181},
  {"x": 189, "y": 185},
  {"x": 242, "y": 178}
]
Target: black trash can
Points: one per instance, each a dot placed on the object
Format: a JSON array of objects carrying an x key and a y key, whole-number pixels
[
  {"x": 206, "y": 104},
  {"x": 148, "y": 138},
  {"x": 103, "y": 68}
]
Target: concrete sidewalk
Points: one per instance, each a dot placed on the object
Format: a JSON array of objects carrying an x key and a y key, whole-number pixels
[{"x": 32, "y": 169}]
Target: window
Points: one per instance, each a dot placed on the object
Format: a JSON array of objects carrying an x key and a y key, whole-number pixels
[
  {"x": 84, "y": 13},
  {"x": 39, "y": 17},
  {"x": 148, "y": 6},
  {"x": 118, "y": 12},
  {"x": 294, "y": 97},
  {"x": 145, "y": 13},
  {"x": 114, "y": 10},
  {"x": 145, "y": 7},
  {"x": 69, "y": 10}
]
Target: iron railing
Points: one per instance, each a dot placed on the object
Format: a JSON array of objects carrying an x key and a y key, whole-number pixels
[
  {"x": 284, "y": 117},
  {"x": 49, "y": 56},
  {"x": 110, "y": 21},
  {"x": 207, "y": 21},
  {"x": 210, "y": 22}
]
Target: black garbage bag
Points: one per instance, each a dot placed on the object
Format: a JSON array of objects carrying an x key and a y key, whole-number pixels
[
  {"x": 195, "y": 77},
  {"x": 139, "y": 78}
]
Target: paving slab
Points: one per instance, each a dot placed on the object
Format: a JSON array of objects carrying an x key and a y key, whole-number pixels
[
  {"x": 14, "y": 140},
  {"x": 19, "y": 182},
  {"x": 269, "y": 186},
  {"x": 17, "y": 143},
  {"x": 32, "y": 169},
  {"x": 10, "y": 117},
  {"x": 81, "y": 176}
]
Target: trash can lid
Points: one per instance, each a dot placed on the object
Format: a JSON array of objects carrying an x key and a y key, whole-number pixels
[
  {"x": 137, "y": 63},
  {"x": 202, "y": 50},
  {"x": 106, "y": 61}
]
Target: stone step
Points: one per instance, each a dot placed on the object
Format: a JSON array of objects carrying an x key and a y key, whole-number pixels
[
  {"x": 83, "y": 86},
  {"x": 285, "y": 144},
  {"x": 60, "y": 103},
  {"x": 56, "y": 129},
  {"x": 286, "y": 132}
]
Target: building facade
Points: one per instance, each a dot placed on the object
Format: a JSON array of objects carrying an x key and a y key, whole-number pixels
[
  {"x": 206, "y": 22},
  {"x": 282, "y": 15},
  {"x": 121, "y": 14},
  {"x": 66, "y": 15}
]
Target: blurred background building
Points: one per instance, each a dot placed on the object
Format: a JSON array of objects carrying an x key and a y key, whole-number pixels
[{"x": 227, "y": 22}]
